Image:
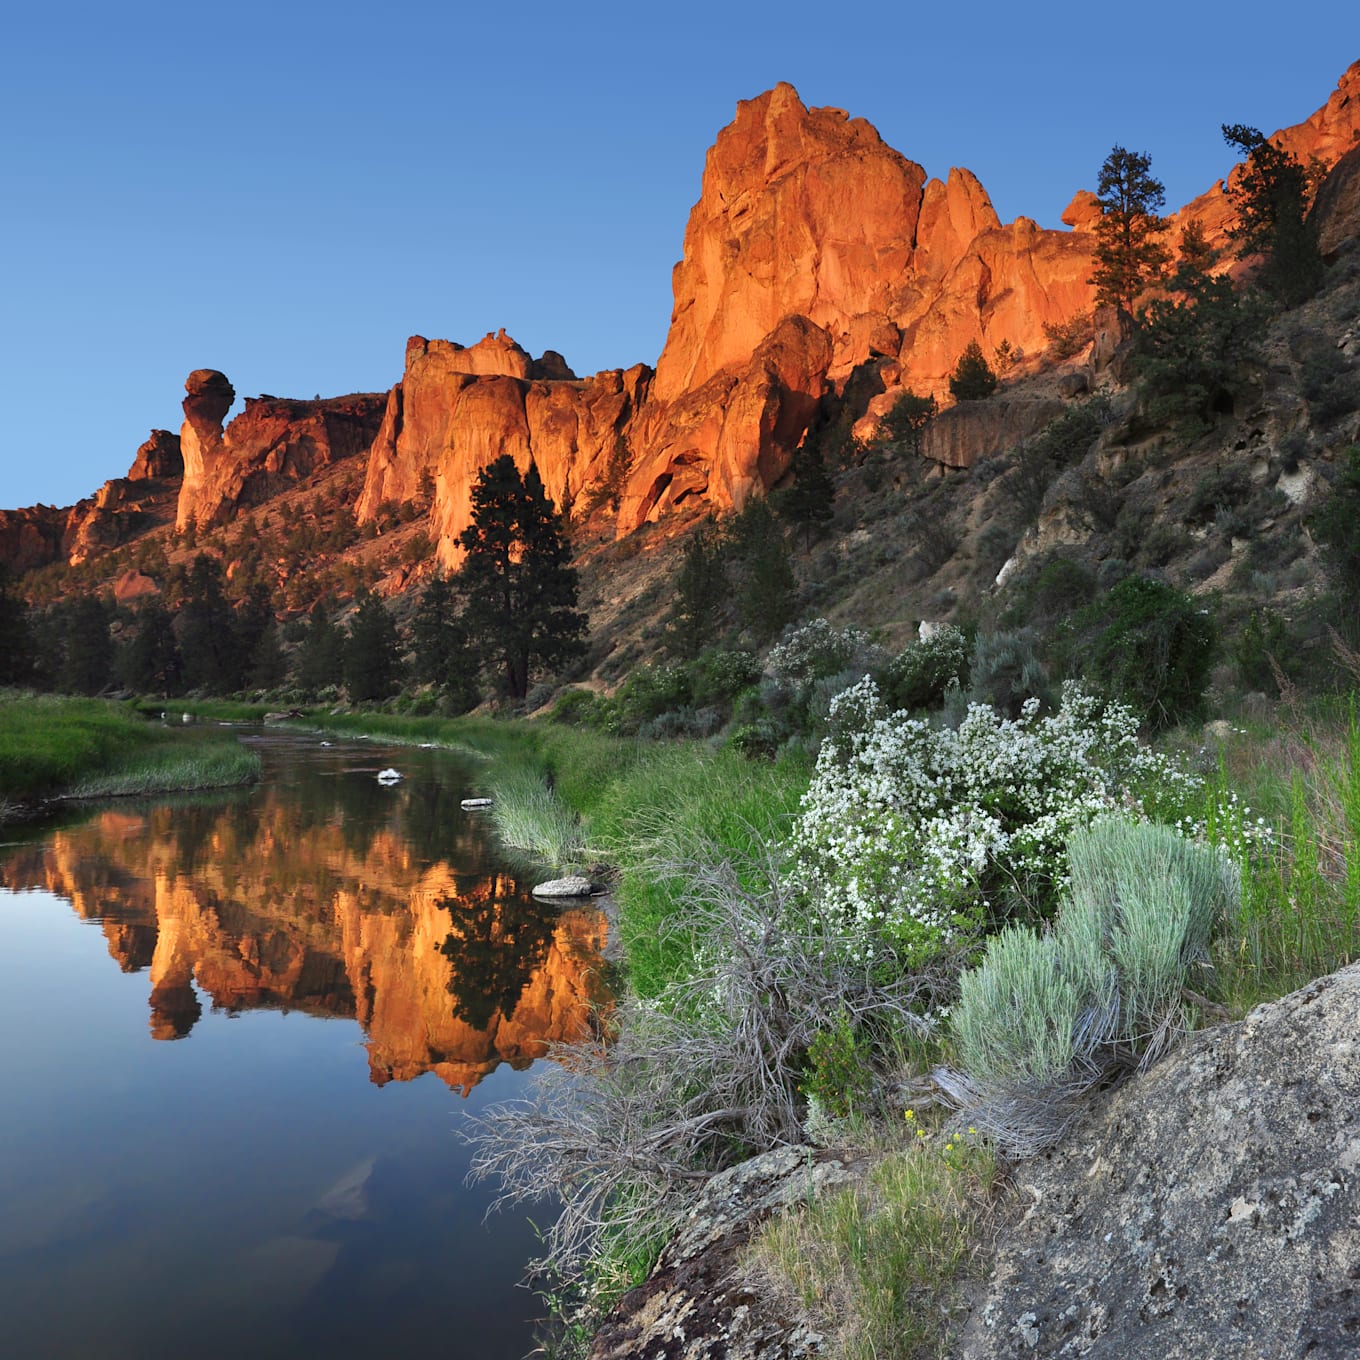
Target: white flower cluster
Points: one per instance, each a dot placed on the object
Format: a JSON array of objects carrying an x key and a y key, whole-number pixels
[
  {"x": 817, "y": 649},
  {"x": 906, "y": 826}
]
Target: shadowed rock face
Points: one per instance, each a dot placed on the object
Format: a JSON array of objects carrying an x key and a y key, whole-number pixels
[
  {"x": 1336, "y": 211},
  {"x": 159, "y": 457},
  {"x": 1207, "y": 1211}
]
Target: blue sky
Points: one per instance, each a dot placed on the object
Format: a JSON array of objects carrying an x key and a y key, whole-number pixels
[{"x": 286, "y": 191}]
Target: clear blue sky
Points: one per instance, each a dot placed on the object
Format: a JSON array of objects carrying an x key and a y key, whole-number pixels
[{"x": 286, "y": 191}]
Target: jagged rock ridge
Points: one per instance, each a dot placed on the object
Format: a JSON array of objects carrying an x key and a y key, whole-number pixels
[{"x": 815, "y": 253}]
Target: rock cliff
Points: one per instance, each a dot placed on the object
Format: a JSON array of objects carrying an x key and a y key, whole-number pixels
[
  {"x": 272, "y": 445},
  {"x": 814, "y": 251},
  {"x": 457, "y": 409}
]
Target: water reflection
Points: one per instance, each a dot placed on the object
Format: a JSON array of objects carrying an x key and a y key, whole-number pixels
[{"x": 326, "y": 893}]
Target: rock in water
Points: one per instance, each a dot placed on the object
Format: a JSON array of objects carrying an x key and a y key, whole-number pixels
[
  {"x": 389, "y": 776},
  {"x": 574, "y": 885},
  {"x": 1207, "y": 1211},
  {"x": 473, "y": 803}
]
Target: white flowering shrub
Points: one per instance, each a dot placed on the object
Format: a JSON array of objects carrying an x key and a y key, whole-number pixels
[
  {"x": 919, "y": 675},
  {"x": 908, "y": 830},
  {"x": 816, "y": 650}
]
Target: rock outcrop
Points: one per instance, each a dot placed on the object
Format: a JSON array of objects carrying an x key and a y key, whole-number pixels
[
  {"x": 272, "y": 445},
  {"x": 1323, "y": 138},
  {"x": 457, "y": 409},
  {"x": 159, "y": 457},
  {"x": 31, "y": 537},
  {"x": 1336, "y": 211},
  {"x": 813, "y": 249},
  {"x": 1207, "y": 1211},
  {"x": 701, "y": 1301}
]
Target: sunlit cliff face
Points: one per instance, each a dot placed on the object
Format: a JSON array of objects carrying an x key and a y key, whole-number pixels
[{"x": 288, "y": 905}]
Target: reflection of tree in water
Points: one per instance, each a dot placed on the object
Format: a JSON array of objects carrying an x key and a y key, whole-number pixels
[{"x": 499, "y": 939}]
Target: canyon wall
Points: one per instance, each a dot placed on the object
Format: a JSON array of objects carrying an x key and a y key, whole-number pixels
[
  {"x": 813, "y": 251},
  {"x": 458, "y": 409}
]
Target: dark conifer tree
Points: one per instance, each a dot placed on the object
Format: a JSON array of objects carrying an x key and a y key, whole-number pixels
[
  {"x": 1271, "y": 194},
  {"x": 972, "y": 378},
  {"x": 1129, "y": 252},
  {"x": 767, "y": 591},
  {"x": 521, "y": 592},
  {"x": 702, "y": 593},
  {"x": 442, "y": 655},
  {"x": 372, "y": 664},
  {"x": 87, "y": 653},
  {"x": 149, "y": 662},
  {"x": 810, "y": 501},
  {"x": 206, "y": 638},
  {"x": 16, "y": 637},
  {"x": 321, "y": 655}
]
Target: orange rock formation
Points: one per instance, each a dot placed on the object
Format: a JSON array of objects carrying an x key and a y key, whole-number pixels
[
  {"x": 456, "y": 410},
  {"x": 273, "y": 444},
  {"x": 814, "y": 250}
]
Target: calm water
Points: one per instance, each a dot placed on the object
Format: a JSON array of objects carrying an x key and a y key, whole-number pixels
[{"x": 237, "y": 1038}]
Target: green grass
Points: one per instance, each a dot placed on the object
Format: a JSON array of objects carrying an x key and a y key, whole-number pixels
[
  {"x": 52, "y": 746},
  {"x": 529, "y": 816},
  {"x": 875, "y": 1264},
  {"x": 213, "y": 766},
  {"x": 1299, "y": 915}
]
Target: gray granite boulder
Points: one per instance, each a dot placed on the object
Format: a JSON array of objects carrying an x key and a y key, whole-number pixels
[
  {"x": 1207, "y": 1211},
  {"x": 701, "y": 1302}
]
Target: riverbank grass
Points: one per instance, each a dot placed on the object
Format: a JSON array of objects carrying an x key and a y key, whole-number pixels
[{"x": 53, "y": 747}]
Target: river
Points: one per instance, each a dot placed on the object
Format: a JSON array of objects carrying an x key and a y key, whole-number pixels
[{"x": 239, "y": 1035}]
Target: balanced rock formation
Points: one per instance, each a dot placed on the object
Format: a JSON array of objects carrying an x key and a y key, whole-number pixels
[
  {"x": 272, "y": 445},
  {"x": 1207, "y": 1211},
  {"x": 458, "y": 409}
]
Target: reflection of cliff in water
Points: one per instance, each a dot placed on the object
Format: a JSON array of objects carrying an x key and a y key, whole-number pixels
[{"x": 328, "y": 900}]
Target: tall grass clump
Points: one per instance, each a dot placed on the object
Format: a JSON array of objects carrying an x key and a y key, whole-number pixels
[
  {"x": 1044, "y": 1017},
  {"x": 529, "y": 816},
  {"x": 874, "y": 1264},
  {"x": 664, "y": 814},
  {"x": 47, "y": 743},
  {"x": 1299, "y": 914}
]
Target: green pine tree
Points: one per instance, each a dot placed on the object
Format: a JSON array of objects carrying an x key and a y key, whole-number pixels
[
  {"x": 1129, "y": 253},
  {"x": 442, "y": 654},
  {"x": 16, "y": 636},
  {"x": 372, "y": 662},
  {"x": 810, "y": 502},
  {"x": 702, "y": 592},
  {"x": 520, "y": 590},
  {"x": 207, "y": 640},
  {"x": 321, "y": 655},
  {"x": 1271, "y": 192},
  {"x": 150, "y": 661},
  {"x": 972, "y": 378}
]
